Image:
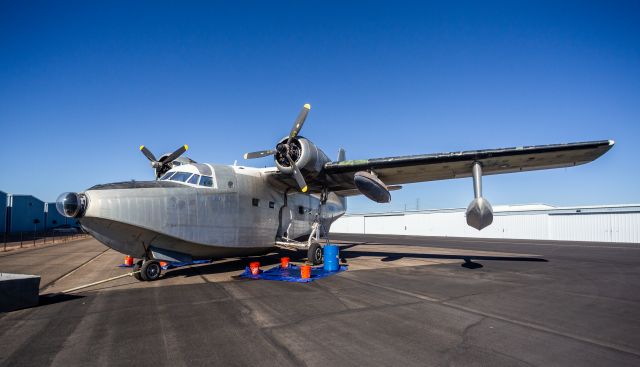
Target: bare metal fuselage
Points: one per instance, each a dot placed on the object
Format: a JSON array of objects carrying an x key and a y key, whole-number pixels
[{"x": 243, "y": 215}]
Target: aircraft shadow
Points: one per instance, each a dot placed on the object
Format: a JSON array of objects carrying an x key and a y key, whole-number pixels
[
  {"x": 239, "y": 264},
  {"x": 468, "y": 259},
  {"x": 53, "y": 298},
  {"x": 236, "y": 265}
]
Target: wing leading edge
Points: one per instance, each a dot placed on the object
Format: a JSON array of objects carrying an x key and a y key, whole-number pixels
[{"x": 442, "y": 166}]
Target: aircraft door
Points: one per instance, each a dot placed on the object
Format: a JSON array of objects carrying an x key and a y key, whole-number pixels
[{"x": 285, "y": 219}]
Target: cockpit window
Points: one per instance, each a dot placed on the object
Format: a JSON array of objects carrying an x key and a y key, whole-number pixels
[
  {"x": 181, "y": 176},
  {"x": 167, "y": 175},
  {"x": 194, "y": 179},
  {"x": 206, "y": 181}
]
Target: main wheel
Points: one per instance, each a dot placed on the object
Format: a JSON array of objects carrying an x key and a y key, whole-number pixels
[
  {"x": 150, "y": 270},
  {"x": 136, "y": 270},
  {"x": 314, "y": 253}
]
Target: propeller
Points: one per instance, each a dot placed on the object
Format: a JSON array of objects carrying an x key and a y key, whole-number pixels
[
  {"x": 163, "y": 164},
  {"x": 260, "y": 154},
  {"x": 285, "y": 150}
]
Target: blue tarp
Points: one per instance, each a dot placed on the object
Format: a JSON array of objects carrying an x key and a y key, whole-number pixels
[{"x": 290, "y": 274}]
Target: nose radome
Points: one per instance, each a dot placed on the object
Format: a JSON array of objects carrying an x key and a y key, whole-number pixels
[{"x": 71, "y": 204}]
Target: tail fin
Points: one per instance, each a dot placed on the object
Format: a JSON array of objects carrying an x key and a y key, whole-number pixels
[{"x": 341, "y": 155}]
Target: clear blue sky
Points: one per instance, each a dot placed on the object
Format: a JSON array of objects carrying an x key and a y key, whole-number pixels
[{"x": 83, "y": 84}]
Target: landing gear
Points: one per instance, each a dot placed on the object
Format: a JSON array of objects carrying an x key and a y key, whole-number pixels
[
  {"x": 314, "y": 253},
  {"x": 148, "y": 270},
  {"x": 313, "y": 244}
]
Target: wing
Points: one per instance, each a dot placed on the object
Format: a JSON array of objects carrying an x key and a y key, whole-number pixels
[{"x": 443, "y": 166}]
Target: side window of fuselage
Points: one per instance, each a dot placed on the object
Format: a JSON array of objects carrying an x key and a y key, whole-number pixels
[{"x": 206, "y": 181}]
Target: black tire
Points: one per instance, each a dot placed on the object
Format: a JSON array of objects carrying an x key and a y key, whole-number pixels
[
  {"x": 136, "y": 270},
  {"x": 314, "y": 254},
  {"x": 150, "y": 270}
]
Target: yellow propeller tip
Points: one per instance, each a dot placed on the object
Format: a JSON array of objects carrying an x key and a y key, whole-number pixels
[
  {"x": 245, "y": 155},
  {"x": 304, "y": 189},
  {"x": 186, "y": 147},
  {"x": 141, "y": 147},
  {"x": 307, "y": 106}
]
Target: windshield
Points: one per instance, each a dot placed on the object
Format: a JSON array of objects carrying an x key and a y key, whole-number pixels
[
  {"x": 194, "y": 179},
  {"x": 188, "y": 177},
  {"x": 181, "y": 176}
]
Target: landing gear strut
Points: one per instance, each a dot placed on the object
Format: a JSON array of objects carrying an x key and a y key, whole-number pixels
[
  {"x": 313, "y": 245},
  {"x": 147, "y": 270},
  {"x": 314, "y": 252}
]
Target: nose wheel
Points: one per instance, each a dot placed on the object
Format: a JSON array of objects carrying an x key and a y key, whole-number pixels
[{"x": 148, "y": 270}]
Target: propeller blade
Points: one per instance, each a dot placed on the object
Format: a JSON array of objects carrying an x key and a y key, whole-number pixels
[
  {"x": 297, "y": 175},
  {"x": 171, "y": 157},
  {"x": 297, "y": 125},
  {"x": 147, "y": 153},
  {"x": 260, "y": 154}
]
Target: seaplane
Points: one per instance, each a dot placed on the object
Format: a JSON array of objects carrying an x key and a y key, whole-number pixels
[{"x": 212, "y": 211}]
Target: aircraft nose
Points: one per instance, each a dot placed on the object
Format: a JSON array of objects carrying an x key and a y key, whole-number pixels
[{"x": 71, "y": 204}]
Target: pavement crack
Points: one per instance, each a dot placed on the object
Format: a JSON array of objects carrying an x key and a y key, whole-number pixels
[
  {"x": 541, "y": 328},
  {"x": 460, "y": 346},
  {"x": 603, "y": 344}
]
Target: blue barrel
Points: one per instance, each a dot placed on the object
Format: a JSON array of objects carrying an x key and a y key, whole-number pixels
[{"x": 331, "y": 254}]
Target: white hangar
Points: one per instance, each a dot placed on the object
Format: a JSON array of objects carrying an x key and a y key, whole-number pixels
[{"x": 605, "y": 223}]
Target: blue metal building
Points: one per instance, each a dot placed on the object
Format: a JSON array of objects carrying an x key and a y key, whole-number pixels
[
  {"x": 3, "y": 212},
  {"x": 54, "y": 219},
  {"x": 26, "y": 213}
]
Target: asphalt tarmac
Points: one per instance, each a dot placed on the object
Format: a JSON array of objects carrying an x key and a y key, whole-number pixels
[{"x": 404, "y": 301}]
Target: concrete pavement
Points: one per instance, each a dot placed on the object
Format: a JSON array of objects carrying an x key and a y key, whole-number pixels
[{"x": 404, "y": 301}]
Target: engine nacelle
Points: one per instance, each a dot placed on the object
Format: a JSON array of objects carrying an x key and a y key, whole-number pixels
[
  {"x": 372, "y": 187},
  {"x": 308, "y": 157}
]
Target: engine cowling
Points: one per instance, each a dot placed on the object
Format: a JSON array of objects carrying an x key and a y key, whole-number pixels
[
  {"x": 372, "y": 187},
  {"x": 308, "y": 157}
]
